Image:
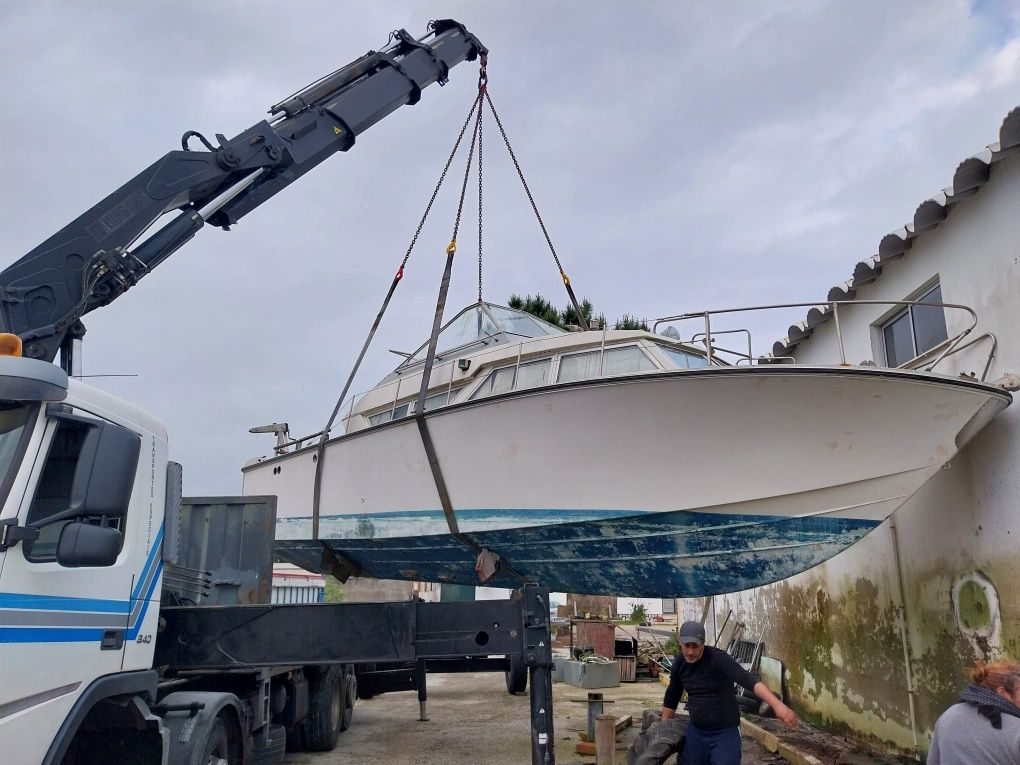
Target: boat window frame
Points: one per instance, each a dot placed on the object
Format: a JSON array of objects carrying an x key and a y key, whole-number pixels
[
  {"x": 601, "y": 351},
  {"x": 907, "y": 312},
  {"x": 443, "y": 353},
  {"x": 681, "y": 348}
]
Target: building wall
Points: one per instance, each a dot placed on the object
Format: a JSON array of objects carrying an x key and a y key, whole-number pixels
[{"x": 937, "y": 586}]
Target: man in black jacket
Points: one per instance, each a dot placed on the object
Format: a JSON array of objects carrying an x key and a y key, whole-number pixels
[{"x": 708, "y": 675}]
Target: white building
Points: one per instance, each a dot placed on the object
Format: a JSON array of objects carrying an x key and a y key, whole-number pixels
[{"x": 877, "y": 640}]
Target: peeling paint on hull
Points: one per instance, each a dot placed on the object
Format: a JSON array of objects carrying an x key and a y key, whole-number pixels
[{"x": 648, "y": 555}]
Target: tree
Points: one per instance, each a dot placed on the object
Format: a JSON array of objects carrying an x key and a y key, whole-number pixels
[
  {"x": 539, "y": 306},
  {"x": 630, "y": 322}
]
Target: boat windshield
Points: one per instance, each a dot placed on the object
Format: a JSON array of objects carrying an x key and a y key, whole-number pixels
[
  {"x": 14, "y": 417},
  {"x": 684, "y": 359},
  {"x": 481, "y": 321}
]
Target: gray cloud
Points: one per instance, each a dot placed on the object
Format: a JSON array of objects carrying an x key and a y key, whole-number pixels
[{"x": 683, "y": 157}]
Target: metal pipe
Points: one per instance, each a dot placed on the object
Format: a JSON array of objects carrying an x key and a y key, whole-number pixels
[
  {"x": 839, "y": 334},
  {"x": 221, "y": 199},
  {"x": 602, "y": 348},
  {"x": 901, "y": 609},
  {"x": 708, "y": 337}
]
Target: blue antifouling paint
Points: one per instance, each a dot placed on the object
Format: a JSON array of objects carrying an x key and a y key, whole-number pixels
[{"x": 674, "y": 554}]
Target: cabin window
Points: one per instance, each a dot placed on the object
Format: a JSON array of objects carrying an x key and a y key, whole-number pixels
[
  {"x": 533, "y": 374},
  {"x": 578, "y": 366},
  {"x": 437, "y": 400},
  {"x": 530, "y": 374},
  {"x": 498, "y": 381},
  {"x": 684, "y": 359},
  {"x": 628, "y": 359},
  {"x": 915, "y": 329},
  {"x": 389, "y": 414}
]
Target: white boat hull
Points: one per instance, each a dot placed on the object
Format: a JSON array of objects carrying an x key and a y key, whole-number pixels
[{"x": 687, "y": 454}]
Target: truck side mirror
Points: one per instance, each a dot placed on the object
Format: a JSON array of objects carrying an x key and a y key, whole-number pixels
[
  {"x": 105, "y": 472},
  {"x": 82, "y": 544}
]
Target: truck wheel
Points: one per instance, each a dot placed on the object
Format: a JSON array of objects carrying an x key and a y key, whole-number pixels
[
  {"x": 273, "y": 750},
  {"x": 350, "y": 693},
  {"x": 363, "y": 691},
  {"x": 325, "y": 711},
  {"x": 216, "y": 749},
  {"x": 517, "y": 675},
  {"x": 296, "y": 738}
]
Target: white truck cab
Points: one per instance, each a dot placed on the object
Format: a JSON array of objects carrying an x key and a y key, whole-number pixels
[{"x": 83, "y": 487}]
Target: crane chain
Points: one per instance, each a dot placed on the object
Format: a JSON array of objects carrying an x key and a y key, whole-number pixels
[{"x": 581, "y": 318}]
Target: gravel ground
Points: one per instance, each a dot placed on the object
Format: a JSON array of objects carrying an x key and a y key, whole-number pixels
[{"x": 473, "y": 720}]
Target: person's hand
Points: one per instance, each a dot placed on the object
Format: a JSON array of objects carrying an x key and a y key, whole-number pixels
[{"x": 786, "y": 716}]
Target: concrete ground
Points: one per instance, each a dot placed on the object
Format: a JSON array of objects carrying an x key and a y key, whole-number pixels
[{"x": 474, "y": 720}]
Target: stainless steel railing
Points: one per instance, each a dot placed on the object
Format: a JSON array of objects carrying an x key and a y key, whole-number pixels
[{"x": 946, "y": 348}]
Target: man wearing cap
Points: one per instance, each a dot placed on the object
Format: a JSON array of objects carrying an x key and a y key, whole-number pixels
[{"x": 708, "y": 675}]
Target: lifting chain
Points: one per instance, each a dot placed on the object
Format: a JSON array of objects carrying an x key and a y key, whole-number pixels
[
  {"x": 483, "y": 83},
  {"x": 582, "y": 320}
]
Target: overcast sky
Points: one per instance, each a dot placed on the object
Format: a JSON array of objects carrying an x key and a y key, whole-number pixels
[{"x": 683, "y": 157}]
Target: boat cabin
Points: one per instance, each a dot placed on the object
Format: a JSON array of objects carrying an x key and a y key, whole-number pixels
[{"x": 488, "y": 349}]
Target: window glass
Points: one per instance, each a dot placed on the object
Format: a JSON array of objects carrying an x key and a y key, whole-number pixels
[
  {"x": 53, "y": 492},
  {"x": 626, "y": 360},
  {"x": 899, "y": 345},
  {"x": 578, "y": 366},
  {"x": 14, "y": 418},
  {"x": 683, "y": 359},
  {"x": 394, "y": 414},
  {"x": 520, "y": 323},
  {"x": 498, "y": 381},
  {"x": 929, "y": 322},
  {"x": 916, "y": 329},
  {"x": 436, "y": 400},
  {"x": 470, "y": 325},
  {"x": 533, "y": 374}
]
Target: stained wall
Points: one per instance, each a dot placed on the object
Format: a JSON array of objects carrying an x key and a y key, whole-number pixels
[{"x": 876, "y": 641}]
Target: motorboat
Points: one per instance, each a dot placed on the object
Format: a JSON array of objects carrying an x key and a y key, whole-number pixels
[{"x": 625, "y": 462}]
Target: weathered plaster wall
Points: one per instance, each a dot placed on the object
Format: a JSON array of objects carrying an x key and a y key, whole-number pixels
[{"x": 837, "y": 627}]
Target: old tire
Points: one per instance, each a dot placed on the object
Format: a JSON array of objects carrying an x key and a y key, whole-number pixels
[
  {"x": 272, "y": 751},
  {"x": 517, "y": 675},
  {"x": 748, "y": 705},
  {"x": 325, "y": 711}
]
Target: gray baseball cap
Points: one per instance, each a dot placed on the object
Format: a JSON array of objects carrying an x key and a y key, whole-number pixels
[{"x": 692, "y": 632}]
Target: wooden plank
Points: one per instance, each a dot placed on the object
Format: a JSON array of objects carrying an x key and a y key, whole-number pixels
[
  {"x": 585, "y": 747},
  {"x": 624, "y": 722}
]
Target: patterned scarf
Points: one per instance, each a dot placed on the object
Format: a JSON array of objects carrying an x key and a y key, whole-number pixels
[{"x": 989, "y": 704}]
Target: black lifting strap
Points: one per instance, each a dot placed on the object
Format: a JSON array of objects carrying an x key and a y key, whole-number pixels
[{"x": 320, "y": 453}]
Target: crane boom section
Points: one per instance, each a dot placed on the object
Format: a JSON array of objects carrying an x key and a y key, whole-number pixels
[{"x": 92, "y": 260}]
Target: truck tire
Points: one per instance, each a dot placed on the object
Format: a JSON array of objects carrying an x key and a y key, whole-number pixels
[
  {"x": 363, "y": 688},
  {"x": 296, "y": 738},
  {"x": 517, "y": 675},
  {"x": 273, "y": 751},
  {"x": 325, "y": 711},
  {"x": 216, "y": 748},
  {"x": 350, "y": 695}
]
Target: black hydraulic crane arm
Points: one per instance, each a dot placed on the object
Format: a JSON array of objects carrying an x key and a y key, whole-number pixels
[{"x": 91, "y": 261}]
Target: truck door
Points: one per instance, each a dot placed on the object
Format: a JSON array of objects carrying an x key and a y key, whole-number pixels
[{"x": 67, "y": 604}]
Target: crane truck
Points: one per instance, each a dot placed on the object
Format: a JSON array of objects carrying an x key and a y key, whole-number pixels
[{"x": 113, "y": 648}]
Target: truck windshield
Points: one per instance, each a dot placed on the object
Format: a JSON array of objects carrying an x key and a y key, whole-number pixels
[{"x": 14, "y": 417}]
